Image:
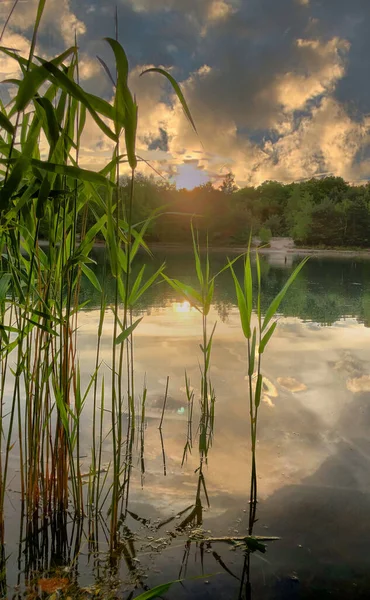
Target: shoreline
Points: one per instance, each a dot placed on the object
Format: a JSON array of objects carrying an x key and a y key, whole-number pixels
[
  {"x": 282, "y": 247},
  {"x": 278, "y": 246}
]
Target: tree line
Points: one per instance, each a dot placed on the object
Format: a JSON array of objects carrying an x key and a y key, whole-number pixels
[{"x": 326, "y": 212}]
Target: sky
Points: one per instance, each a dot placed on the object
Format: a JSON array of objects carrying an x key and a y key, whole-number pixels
[{"x": 278, "y": 89}]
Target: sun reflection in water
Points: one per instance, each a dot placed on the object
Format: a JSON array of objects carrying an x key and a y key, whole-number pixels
[{"x": 182, "y": 307}]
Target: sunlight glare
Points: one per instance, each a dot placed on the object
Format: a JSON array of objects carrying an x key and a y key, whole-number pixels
[{"x": 181, "y": 307}]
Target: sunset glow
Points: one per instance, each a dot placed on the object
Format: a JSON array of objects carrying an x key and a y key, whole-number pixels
[{"x": 278, "y": 90}]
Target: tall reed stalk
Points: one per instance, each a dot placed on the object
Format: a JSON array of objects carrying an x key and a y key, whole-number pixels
[
  {"x": 257, "y": 337},
  {"x": 201, "y": 299}
]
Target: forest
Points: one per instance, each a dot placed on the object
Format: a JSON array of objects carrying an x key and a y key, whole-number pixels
[{"x": 326, "y": 212}]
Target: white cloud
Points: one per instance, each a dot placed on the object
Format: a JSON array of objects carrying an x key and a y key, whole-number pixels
[
  {"x": 9, "y": 66},
  {"x": 325, "y": 139},
  {"x": 219, "y": 10},
  {"x": 328, "y": 140},
  {"x": 88, "y": 67},
  {"x": 58, "y": 19},
  {"x": 327, "y": 66}
]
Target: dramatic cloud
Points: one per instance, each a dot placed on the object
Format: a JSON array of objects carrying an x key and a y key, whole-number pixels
[
  {"x": 59, "y": 24},
  {"x": 277, "y": 89}
]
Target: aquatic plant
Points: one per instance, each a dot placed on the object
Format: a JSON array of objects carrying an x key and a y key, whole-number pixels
[{"x": 257, "y": 336}]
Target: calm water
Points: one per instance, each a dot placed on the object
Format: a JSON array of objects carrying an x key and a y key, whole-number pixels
[{"x": 313, "y": 445}]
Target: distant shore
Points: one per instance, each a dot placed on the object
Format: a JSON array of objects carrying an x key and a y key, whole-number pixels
[{"x": 278, "y": 246}]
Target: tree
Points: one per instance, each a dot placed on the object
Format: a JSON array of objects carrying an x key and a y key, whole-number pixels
[
  {"x": 228, "y": 185},
  {"x": 207, "y": 187},
  {"x": 265, "y": 235},
  {"x": 299, "y": 215}
]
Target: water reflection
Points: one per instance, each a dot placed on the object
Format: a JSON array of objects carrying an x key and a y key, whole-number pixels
[
  {"x": 312, "y": 450},
  {"x": 297, "y": 431},
  {"x": 327, "y": 289},
  {"x": 312, "y": 454}
]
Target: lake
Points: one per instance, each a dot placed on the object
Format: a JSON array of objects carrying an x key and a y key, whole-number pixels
[{"x": 313, "y": 447}]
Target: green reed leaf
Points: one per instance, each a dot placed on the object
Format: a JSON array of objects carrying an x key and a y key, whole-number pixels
[
  {"x": 106, "y": 69},
  {"x": 13, "y": 182},
  {"x": 124, "y": 100},
  {"x": 252, "y": 355},
  {"x": 22, "y": 62},
  {"x": 90, "y": 235},
  {"x": 155, "y": 592},
  {"x": 51, "y": 125},
  {"x": 6, "y": 124},
  {"x": 39, "y": 13},
  {"x": 24, "y": 129},
  {"x": 127, "y": 332},
  {"x": 209, "y": 347},
  {"x": 266, "y": 338},
  {"x": 258, "y": 266},
  {"x": 209, "y": 297},
  {"x": 198, "y": 266},
  {"x": 43, "y": 327},
  {"x": 62, "y": 411},
  {"x": 248, "y": 283},
  {"x": 91, "y": 276},
  {"x": 111, "y": 166},
  {"x": 136, "y": 285},
  {"x": 46, "y": 315},
  {"x": 101, "y": 106},
  {"x": 92, "y": 103},
  {"x": 134, "y": 297},
  {"x": 4, "y": 285},
  {"x": 71, "y": 171},
  {"x": 242, "y": 305},
  {"x": 35, "y": 78},
  {"x": 257, "y": 396},
  {"x": 43, "y": 195},
  {"x": 177, "y": 91},
  {"x": 185, "y": 290}
]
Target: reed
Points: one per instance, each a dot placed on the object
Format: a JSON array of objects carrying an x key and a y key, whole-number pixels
[
  {"x": 257, "y": 337},
  {"x": 201, "y": 299}
]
